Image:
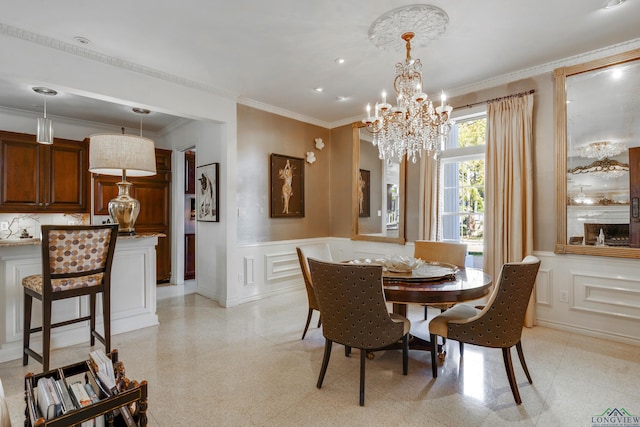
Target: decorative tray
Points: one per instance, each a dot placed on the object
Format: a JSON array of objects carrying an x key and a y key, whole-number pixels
[
  {"x": 394, "y": 264},
  {"x": 425, "y": 272},
  {"x": 409, "y": 269}
]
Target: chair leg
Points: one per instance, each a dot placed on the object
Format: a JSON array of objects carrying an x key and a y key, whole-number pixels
[
  {"x": 506, "y": 355},
  {"x": 434, "y": 349},
  {"x": 308, "y": 321},
  {"x": 363, "y": 359},
  {"x": 46, "y": 333},
  {"x": 461, "y": 346},
  {"x": 325, "y": 361},
  {"x": 425, "y": 312},
  {"x": 106, "y": 318},
  {"x": 347, "y": 351},
  {"x": 405, "y": 354},
  {"x": 319, "y": 320},
  {"x": 522, "y": 362},
  {"x": 26, "y": 328},
  {"x": 92, "y": 319}
]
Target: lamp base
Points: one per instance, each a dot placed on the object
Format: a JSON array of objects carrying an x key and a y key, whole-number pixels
[{"x": 124, "y": 209}]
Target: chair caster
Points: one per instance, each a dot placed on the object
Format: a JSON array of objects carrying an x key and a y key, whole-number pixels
[
  {"x": 442, "y": 355},
  {"x": 371, "y": 355}
]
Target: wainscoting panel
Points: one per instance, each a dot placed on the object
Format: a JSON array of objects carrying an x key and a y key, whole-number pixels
[
  {"x": 589, "y": 295},
  {"x": 249, "y": 271},
  {"x": 544, "y": 287},
  {"x": 282, "y": 266},
  {"x": 606, "y": 295}
]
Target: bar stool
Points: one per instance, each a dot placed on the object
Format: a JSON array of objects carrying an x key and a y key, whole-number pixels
[{"x": 76, "y": 261}]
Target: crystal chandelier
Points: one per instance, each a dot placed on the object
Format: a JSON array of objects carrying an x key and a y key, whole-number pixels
[
  {"x": 601, "y": 149},
  {"x": 413, "y": 125}
]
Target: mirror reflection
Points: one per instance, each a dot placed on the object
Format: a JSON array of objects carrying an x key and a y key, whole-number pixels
[
  {"x": 602, "y": 131},
  {"x": 378, "y": 193}
]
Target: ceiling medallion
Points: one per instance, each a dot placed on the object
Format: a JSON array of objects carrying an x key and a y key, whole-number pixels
[{"x": 426, "y": 21}]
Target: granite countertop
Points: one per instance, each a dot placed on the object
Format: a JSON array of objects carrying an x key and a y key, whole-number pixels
[
  {"x": 36, "y": 241},
  {"x": 18, "y": 242}
]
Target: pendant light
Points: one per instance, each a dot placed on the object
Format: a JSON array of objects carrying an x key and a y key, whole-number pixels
[{"x": 45, "y": 125}]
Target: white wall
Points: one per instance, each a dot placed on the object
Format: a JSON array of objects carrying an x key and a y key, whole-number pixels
[{"x": 211, "y": 237}]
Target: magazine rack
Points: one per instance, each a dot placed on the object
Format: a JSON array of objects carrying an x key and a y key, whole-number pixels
[{"x": 114, "y": 407}]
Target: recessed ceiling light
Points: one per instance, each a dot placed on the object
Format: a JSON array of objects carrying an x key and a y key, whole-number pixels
[
  {"x": 341, "y": 98},
  {"x": 608, "y": 4},
  {"x": 82, "y": 40},
  {"x": 318, "y": 89},
  {"x": 340, "y": 61}
]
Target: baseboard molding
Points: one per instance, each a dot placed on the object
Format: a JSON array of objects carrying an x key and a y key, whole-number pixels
[{"x": 589, "y": 332}]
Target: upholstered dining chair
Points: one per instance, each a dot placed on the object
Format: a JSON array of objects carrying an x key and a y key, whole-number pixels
[
  {"x": 498, "y": 325},
  {"x": 317, "y": 251},
  {"x": 76, "y": 261},
  {"x": 354, "y": 313},
  {"x": 448, "y": 252}
]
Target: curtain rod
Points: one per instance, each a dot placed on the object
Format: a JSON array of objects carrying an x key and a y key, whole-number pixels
[{"x": 515, "y": 95}]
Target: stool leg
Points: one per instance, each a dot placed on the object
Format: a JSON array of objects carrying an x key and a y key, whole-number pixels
[
  {"x": 26, "y": 328},
  {"x": 106, "y": 316},
  {"x": 92, "y": 320},
  {"x": 46, "y": 333}
]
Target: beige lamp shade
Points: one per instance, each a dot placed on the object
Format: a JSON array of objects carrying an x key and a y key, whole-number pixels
[{"x": 110, "y": 154}]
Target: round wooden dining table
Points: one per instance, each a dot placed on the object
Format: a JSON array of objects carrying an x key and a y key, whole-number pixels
[{"x": 413, "y": 288}]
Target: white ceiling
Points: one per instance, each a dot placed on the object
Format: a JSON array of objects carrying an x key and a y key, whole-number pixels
[{"x": 276, "y": 52}]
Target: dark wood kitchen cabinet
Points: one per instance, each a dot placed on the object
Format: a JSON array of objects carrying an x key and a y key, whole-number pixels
[
  {"x": 154, "y": 195},
  {"x": 189, "y": 256},
  {"x": 190, "y": 172},
  {"x": 38, "y": 178}
]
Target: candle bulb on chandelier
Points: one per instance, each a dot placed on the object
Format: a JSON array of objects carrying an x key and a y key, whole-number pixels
[
  {"x": 384, "y": 97},
  {"x": 369, "y": 112},
  {"x": 443, "y": 98}
]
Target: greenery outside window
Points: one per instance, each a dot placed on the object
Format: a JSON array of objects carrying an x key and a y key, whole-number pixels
[{"x": 462, "y": 180}]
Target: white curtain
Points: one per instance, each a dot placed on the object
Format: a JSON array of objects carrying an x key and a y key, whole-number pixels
[{"x": 509, "y": 186}]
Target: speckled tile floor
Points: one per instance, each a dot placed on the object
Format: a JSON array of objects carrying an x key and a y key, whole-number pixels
[{"x": 246, "y": 366}]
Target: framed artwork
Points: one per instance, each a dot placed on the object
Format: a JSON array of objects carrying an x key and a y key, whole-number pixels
[
  {"x": 286, "y": 180},
  {"x": 364, "y": 193},
  {"x": 207, "y": 193}
]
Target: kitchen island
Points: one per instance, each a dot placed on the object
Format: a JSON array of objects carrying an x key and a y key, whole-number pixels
[{"x": 133, "y": 293}]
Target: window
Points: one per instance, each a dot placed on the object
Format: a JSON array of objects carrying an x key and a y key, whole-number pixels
[{"x": 462, "y": 183}]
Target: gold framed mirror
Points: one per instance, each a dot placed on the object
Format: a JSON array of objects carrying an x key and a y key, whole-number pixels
[
  {"x": 597, "y": 113},
  {"x": 378, "y": 197}
]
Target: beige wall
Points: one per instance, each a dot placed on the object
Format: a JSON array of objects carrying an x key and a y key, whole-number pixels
[
  {"x": 260, "y": 134},
  {"x": 341, "y": 158},
  {"x": 544, "y": 161},
  {"x": 328, "y": 181}
]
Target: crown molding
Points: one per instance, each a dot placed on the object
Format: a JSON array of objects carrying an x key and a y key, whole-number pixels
[
  {"x": 282, "y": 112},
  {"x": 545, "y": 68},
  {"x": 48, "y": 42},
  {"x": 69, "y": 48},
  {"x": 525, "y": 73}
]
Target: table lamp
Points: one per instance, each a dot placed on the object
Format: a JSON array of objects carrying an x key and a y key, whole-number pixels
[{"x": 121, "y": 154}]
